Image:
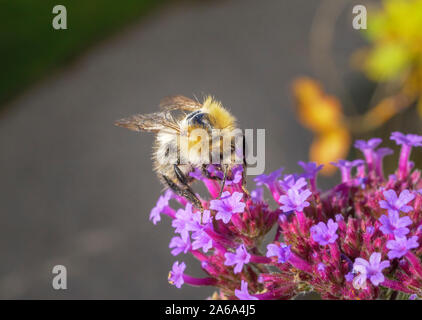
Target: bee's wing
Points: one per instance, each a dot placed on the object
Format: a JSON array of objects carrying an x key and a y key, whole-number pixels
[
  {"x": 179, "y": 103},
  {"x": 152, "y": 122}
]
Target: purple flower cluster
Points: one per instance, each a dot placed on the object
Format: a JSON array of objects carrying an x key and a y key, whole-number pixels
[{"x": 359, "y": 240}]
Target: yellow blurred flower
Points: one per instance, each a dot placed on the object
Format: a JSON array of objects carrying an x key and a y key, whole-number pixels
[{"x": 395, "y": 32}]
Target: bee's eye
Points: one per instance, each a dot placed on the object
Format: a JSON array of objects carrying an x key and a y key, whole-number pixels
[
  {"x": 190, "y": 115},
  {"x": 199, "y": 119}
]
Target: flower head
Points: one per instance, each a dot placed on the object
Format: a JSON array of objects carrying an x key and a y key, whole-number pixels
[
  {"x": 326, "y": 236},
  {"x": 412, "y": 140},
  {"x": 396, "y": 204},
  {"x": 400, "y": 246},
  {"x": 176, "y": 274},
  {"x": 228, "y": 205},
  {"x": 243, "y": 293},
  {"x": 325, "y": 233},
  {"x": 371, "y": 270},
  {"x": 239, "y": 258},
  {"x": 282, "y": 252}
]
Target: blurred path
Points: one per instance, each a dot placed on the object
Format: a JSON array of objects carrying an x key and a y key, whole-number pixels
[{"x": 77, "y": 191}]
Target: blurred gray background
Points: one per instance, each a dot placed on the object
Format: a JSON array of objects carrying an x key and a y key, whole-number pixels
[{"x": 77, "y": 191}]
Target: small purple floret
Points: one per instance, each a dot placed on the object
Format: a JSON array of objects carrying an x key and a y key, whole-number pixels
[
  {"x": 412, "y": 140},
  {"x": 282, "y": 252},
  {"x": 295, "y": 198},
  {"x": 243, "y": 293},
  {"x": 176, "y": 274},
  {"x": 396, "y": 204},
  {"x": 239, "y": 258},
  {"x": 401, "y": 245},
  {"x": 371, "y": 270},
  {"x": 325, "y": 233},
  {"x": 228, "y": 205}
]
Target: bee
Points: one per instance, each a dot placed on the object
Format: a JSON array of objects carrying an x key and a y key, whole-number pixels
[{"x": 179, "y": 149}]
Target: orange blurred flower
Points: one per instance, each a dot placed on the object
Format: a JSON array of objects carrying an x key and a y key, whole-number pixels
[{"x": 322, "y": 114}]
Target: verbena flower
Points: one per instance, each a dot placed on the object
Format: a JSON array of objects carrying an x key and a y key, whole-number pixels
[
  {"x": 295, "y": 198},
  {"x": 338, "y": 242},
  {"x": 349, "y": 277},
  {"x": 183, "y": 221},
  {"x": 396, "y": 204},
  {"x": 371, "y": 144},
  {"x": 176, "y": 274},
  {"x": 179, "y": 244},
  {"x": 257, "y": 195},
  {"x": 371, "y": 270},
  {"x": 407, "y": 139},
  {"x": 160, "y": 207},
  {"x": 236, "y": 176},
  {"x": 292, "y": 181},
  {"x": 228, "y": 205},
  {"x": 394, "y": 225},
  {"x": 346, "y": 166},
  {"x": 311, "y": 169},
  {"x": 201, "y": 241},
  {"x": 238, "y": 259},
  {"x": 282, "y": 252},
  {"x": 268, "y": 180},
  {"x": 325, "y": 233},
  {"x": 368, "y": 150},
  {"x": 243, "y": 293},
  {"x": 401, "y": 245}
]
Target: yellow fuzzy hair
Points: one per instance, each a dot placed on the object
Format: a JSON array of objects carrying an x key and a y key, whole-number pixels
[{"x": 219, "y": 116}]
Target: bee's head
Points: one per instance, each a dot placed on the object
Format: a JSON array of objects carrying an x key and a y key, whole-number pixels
[{"x": 217, "y": 116}]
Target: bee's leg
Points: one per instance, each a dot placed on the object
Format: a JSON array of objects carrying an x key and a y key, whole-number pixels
[
  {"x": 180, "y": 176},
  {"x": 244, "y": 170},
  {"x": 187, "y": 193},
  {"x": 244, "y": 183},
  {"x": 225, "y": 170}
]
